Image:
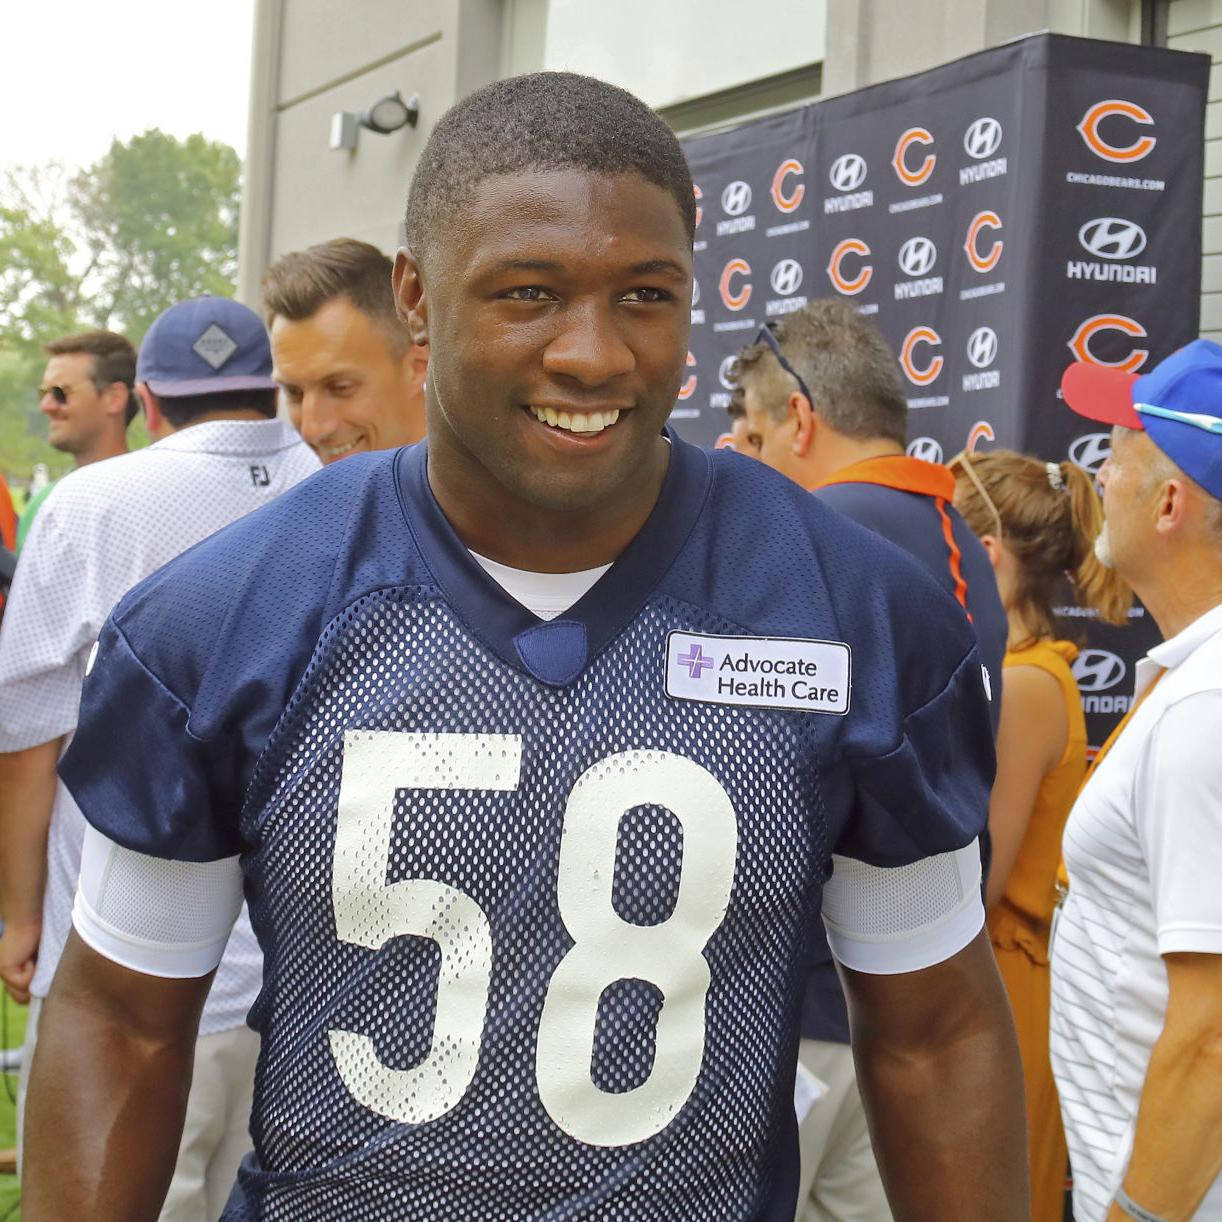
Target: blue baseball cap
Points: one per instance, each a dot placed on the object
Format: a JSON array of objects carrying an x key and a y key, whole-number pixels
[
  {"x": 205, "y": 345},
  {"x": 1179, "y": 403}
]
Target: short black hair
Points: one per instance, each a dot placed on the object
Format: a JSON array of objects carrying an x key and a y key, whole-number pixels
[
  {"x": 541, "y": 121},
  {"x": 180, "y": 410}
]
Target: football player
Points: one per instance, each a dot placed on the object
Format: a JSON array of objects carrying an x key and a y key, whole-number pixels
[{"x": 532, "y": 747}]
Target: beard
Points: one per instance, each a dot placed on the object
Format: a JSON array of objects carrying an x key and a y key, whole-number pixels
[{"x": 1103, "y": 548}]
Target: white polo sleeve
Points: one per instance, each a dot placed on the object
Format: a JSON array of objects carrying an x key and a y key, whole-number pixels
[
  {"x": 1178, "y": 812},
  {"x": 903, "y": 918},
  {"x": 159, "y": 917},
  {"x": 48, "y": 629}
]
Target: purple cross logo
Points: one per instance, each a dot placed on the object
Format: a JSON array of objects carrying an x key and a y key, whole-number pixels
[{"x": 695, "y": 660}]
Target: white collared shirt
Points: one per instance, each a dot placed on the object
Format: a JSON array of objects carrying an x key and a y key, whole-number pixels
[
  {"x": 1143, "y": 848},
  {"x": 104, "y": 528}
]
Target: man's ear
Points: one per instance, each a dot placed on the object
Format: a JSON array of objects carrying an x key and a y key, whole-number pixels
[
  {"x": 116, "y": 397},
  {"x": 410, "y": 301},
  {"x": 804, "y": 422},
  {"x": 153, "y": 418},
  {"x": 1171, "y": 506}
]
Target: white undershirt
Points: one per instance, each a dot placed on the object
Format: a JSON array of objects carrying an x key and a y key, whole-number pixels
[{"x": 171, "y": 918}]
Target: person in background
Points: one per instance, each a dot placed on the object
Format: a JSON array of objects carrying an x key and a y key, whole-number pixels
[
  {"x": 824, "y": 405},
  {"x": 1037, "y": 521},
  {"x": 210, "y": 402},
  {"x": 351, "y": 377},
  {"x": 87, "y": 397},
  {"x": 1136, "y": 1023}
]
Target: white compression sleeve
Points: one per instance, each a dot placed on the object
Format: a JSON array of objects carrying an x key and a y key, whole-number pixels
[
  {"x": 162, "y": 918},
  {"x": 904, "y": 918}
]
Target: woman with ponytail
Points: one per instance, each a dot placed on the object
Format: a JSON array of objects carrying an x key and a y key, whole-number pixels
[{"x": 1038, "y": 522}]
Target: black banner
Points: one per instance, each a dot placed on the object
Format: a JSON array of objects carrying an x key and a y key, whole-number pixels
[{"x": 997, "y": 217}]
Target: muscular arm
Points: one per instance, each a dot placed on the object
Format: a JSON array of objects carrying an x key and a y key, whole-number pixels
[
  {"x": 108, "y": 1090},
  {"x": 1177, "y": 1149},
  {"x": 27, "y": 793},
  {"x": 937, "y": 1060},
  {"x": 1030, "y": 742}
]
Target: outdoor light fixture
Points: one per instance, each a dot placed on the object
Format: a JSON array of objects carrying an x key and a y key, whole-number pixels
[{"x": 388, "y": 114}]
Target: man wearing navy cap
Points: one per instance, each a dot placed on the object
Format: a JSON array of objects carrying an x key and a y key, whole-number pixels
[
  {"x": 204, "y": 378},
  {"x": 1137, "y": 955}
]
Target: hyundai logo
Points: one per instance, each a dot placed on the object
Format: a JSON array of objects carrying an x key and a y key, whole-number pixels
[
  {"x": 736, "y": 198},
  {"x": 1112, "y": 237},
  {"x": 917, "y": 257},
  {"x": 695, "y": 292},
  {"x": 1096, "y": 670},
  {"x": 982, "y": 139},
  {"x": 848, "y": 172},
  {"x": 927, "y": 448},
  {"x": 787, "y": 277},
  {"x": 727, "y": 371},
  {"x": 982, "y": 347},
  {"x": 1091, "y": 451}
]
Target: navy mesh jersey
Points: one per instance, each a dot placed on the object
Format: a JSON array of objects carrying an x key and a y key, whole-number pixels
[{"x": 533, "y": 928}]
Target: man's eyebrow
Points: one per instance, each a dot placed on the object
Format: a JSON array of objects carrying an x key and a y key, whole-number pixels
[{"x": 651, "y": 267}]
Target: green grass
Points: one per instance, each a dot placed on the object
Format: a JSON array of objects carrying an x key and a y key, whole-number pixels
[{"x": 12, "y": 1029}]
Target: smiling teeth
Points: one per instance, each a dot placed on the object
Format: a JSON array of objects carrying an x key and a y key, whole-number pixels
[{"x": 580, "y": 422}]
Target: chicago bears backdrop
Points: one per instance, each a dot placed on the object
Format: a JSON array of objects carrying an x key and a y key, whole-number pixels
[{"x": 998, "y": 217}]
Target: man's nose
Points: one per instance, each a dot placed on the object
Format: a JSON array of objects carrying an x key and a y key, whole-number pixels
[
  {"x": 318, "y": 419},
  {"x": 589, "y": 347}
]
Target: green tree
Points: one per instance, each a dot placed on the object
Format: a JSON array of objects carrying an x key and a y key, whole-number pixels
[
  {"x": 159, "y": 219},
  {"x": 152, "y": 222}
]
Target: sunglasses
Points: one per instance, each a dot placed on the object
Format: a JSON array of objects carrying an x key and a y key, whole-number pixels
[
  {"x": 766, "y": 336},
  {"x": 58, "y": 393},
  {"x": 1198, "y": 420}
]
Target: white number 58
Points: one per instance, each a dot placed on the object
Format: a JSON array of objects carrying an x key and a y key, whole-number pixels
[{"x": 369, "y": 911}]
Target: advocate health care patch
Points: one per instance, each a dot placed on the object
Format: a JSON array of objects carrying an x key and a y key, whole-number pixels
[{"x": 759, "y": 671}]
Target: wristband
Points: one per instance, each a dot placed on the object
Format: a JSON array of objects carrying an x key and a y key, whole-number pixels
[{"x": 1134, "y": 1210}]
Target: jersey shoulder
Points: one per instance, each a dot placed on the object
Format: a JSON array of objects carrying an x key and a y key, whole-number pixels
[{"x": 275, "y": 575}]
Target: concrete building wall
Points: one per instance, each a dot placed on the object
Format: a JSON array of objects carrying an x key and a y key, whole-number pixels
[{"x": 1196, "y": 25}]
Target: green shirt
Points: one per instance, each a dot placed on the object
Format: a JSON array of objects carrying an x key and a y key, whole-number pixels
[{"x": 27, "y": 514}]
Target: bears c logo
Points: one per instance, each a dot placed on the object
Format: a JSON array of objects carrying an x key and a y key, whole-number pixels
[
  {"x": 1080, "y": 344},
  {"x": 986, "y": 261},
  {"x": 920, "y": 375},
  {"x": 732, "y": 300},
  {"x": 689, "y": 387},
  {"x": 1088, "y": 129},
  {"x": 699, "y": 194},
  {"x": 787, "y": 203},
  {"x": 913, "y": 177},
  {"x": 982, "y": 430},
  {"x": 835, "y": 272}
]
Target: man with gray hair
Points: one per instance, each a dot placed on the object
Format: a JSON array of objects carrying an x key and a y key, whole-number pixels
[
  {"x": 1137, "y": 955},
  {"x": 825, "y": 406}
]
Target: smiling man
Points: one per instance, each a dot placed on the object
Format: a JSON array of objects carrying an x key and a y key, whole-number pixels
[
  {"x": 87, "y": 397},
  {"x": 351, "y": 377},
  {"x": 533, "y": 760}
]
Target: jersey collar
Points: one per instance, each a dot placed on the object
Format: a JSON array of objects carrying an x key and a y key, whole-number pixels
[
  {"x": 555, "y": 651},
  {"x": 900, "y": 472}
]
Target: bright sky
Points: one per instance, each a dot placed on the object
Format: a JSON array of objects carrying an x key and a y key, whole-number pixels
[{"x": 77, "y": 74}]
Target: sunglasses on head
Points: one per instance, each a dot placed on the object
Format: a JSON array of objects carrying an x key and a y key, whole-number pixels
[{"x": 766, "y": 336}]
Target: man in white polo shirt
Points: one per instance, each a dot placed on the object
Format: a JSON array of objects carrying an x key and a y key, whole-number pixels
[
  {"x": 1137, "y": 958},
  {"x": 204, "y": 377}
]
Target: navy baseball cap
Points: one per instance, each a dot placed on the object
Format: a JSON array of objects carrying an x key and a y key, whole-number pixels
[
  {"x": 205, "y": 345},
  {"x": 1179, "y": 403}
]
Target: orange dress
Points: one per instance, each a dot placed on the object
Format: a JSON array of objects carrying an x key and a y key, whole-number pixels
[{"x": 1019, "y": 926}]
